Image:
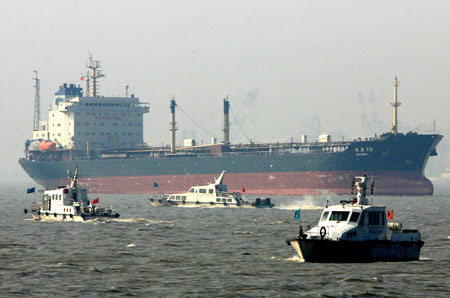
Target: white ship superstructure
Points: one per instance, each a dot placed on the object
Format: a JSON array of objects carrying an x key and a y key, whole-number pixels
[{"x": 83, "y": 122}]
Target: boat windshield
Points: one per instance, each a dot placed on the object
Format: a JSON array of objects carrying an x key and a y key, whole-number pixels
[
  {"x": 354, "y": 217},
  {"x": 339, "y": 215},
  {"x": 324, "y": 216}
]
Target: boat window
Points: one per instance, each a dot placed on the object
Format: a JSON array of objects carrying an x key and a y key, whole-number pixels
[
  {"x": 191, "y": 190},
  {"x": 354, "y": 217},
  {"x": 183, "y": 198},
  {"x": 211, "y": 191},
  {"x": 202, "y": 190},
  {"x": 217, "y": 199},
  {"x": 230, "y": 200},
  {"x": 171, "y": 198},
  {"x": 224, "y": 200},
  {"x": 373, "y": 218},
  {"x": 324, "y": 216},
  {"x": 339, "y": 215},
  {"x": 376, "y": 218},
  {"x": 178, "y": 197}
]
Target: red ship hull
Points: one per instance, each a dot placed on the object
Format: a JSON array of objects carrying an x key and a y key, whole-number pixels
[{"x": 279, "y": 183}]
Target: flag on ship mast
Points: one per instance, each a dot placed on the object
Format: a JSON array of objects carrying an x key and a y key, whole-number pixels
[
  {"x": 95, "y": 201},
  {"x": 31, "y": 190}
]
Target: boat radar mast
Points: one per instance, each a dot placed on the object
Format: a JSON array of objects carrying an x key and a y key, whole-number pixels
[
  {"x": 95, "y": 74},
  {"x": 395, "y": 104}
]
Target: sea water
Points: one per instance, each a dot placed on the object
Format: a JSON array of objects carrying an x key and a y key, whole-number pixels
[{"x": 207, "y": 252}]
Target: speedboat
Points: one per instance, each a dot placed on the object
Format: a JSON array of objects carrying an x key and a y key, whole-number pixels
[
  {"x": 213, "y": 194},
  {"x": 69, "y": 203},
  {"x": 357, "y": 231}
]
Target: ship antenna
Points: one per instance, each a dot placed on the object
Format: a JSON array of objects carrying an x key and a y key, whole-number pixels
[
  {"x": 173, "y": 124},
  {"x": 395, "y": 104},
  {"x": 96, "y": 73},
  {"x": 37, "y": 101},
  {"x": 226, "y": 121}
]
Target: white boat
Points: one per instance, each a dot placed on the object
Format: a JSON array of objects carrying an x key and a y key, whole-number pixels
[
  {"x": 69, "y": 203},
  {"x": 356, "y": 231},
  {"x": 213, "y": 194}
]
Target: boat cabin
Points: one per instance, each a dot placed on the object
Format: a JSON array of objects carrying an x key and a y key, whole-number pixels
[{"x": 64, "y": 200}]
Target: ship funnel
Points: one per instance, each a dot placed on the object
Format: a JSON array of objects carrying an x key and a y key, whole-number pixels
[
  {"x": 173, "y": 124},
  {"x": 226, "y": 121},
  {"x": 395, "y": 104}
]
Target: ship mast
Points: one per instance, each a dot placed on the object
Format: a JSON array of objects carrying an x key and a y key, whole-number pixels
[
  {"x": 395, "y": 104},
  {"x": 96, "y": 73},
  {"x": 173, "y": 124},
  {"x": 37, "y": 101},
  {"x": 226, "y": 121}
]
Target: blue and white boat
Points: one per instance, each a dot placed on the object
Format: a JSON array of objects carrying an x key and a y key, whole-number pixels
[{"x": 357, "y": 231}]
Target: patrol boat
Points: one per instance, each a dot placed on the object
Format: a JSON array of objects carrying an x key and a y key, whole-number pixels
[
  {"x": 69, "y": 203},
  {"x": 214, "y": 194},
  {"x": 356, "y": 231}
]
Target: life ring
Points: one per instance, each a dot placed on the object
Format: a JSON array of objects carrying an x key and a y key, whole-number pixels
[
  {"x": 211, "y": 203},
  {"x": 225, "y": 203},
  {"x": 323, "y": 232},
  {"x": 197, "y": 202},
  {"x": 46, "y": 213},
  {"x": 55, "y": 214}
]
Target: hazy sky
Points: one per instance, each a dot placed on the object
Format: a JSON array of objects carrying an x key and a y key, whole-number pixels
[{"x": 280, "y": 62}]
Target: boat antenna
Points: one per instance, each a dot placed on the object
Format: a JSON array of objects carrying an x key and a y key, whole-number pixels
[
  {"x": 74, "y": 179},
  {"x": 37, "y": 101},
  {"x": 395, "y": 104}
]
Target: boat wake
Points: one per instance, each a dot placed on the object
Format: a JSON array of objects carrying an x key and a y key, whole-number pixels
[
  {"x": 309, "y": 203},
  {"x": 295, "y": 259},
  {"x": 137, "y": 220}
]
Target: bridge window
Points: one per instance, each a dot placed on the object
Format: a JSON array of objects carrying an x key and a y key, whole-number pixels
[
  {"x": 211, "y": 190},
  {"x": 339, "y": 215},
  {"x": 354, "y": 217},
  {"x": 376, "y": 218},
  {"x": 191, "y": 190},
  {"x": 202, "y": 190},
  {"x": 324, "y": 216}
]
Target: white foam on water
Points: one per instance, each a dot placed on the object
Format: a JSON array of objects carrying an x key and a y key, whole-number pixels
[
  {"x": 141, "y": 220},
  {"x": 306, "y": 202},
  {"x": 242, "y": 232},
  {"x": 296, "y": 259},
  {"x": 131, "y": 245}
]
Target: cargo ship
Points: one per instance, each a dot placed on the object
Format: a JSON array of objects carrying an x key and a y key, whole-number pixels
[{"x": 103, "y": 137}]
